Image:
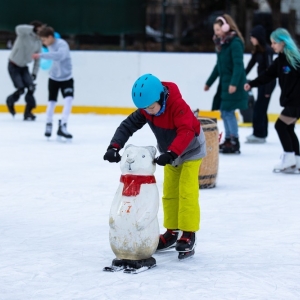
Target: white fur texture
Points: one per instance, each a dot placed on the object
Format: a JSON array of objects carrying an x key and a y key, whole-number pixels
[{"x": 134, "y": 230}]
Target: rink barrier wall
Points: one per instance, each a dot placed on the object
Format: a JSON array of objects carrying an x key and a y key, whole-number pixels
[
  {"x": 118, "y": 111},
  {"x": 103, "y": 81}
]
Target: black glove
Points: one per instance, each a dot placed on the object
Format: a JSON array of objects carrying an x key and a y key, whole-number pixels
[
  {"x": 112, "y": 154},
  {"x": 165, "y": 158},
  {"x": 33, "y": 76}
]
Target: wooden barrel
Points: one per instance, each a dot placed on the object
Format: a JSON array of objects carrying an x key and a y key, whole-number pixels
[{"x": 209, "y": 168}]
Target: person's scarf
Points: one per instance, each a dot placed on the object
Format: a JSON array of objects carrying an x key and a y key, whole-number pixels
[{"x": 226, "y": 39}]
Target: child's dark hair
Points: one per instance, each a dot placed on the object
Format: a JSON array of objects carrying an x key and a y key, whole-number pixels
[
  {"x": 46, "y": 32},
  {"x": 36, "y": 24}
]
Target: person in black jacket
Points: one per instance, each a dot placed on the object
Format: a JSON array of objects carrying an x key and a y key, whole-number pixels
[
  {"x": 287, "y": 68},
  {"x": 263, "y": 56}
]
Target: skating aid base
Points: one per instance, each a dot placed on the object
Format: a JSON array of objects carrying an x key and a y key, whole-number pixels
[{"x": 131, "y": 266}]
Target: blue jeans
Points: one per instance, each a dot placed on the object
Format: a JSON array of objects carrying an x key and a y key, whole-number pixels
[{"x": 230, "y": 123}]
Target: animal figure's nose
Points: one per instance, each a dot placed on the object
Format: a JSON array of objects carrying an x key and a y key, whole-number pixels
[{"x": 130, "y": 160}]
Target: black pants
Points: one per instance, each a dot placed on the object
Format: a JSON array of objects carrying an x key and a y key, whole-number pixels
[
  {"x": 22, "y": 79},
  {"x": 20, "y": 76},
  {"x": 260, "y": 116},
  {"x": 286, "y": 133}
]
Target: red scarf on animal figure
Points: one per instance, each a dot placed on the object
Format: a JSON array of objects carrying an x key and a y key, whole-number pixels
[{"x": 132, "y": 183}]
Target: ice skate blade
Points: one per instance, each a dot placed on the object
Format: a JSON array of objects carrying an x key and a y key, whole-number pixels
[
  {"x": 139, "y": 270},
  {"x": 62, "y": 139},
  {"x": 166, "y": 249},
  {"x": 113, "y": 269},
  {"x": 185, "y": 255},
  {"x": 229, "y": 152},
  {"x": 255, "y": 142},
  {"x": 236, "y": 152},
  {"x": 291, "y": 170}
]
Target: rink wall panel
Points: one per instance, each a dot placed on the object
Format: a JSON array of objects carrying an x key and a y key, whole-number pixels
[{"x": 103, "y": 80}]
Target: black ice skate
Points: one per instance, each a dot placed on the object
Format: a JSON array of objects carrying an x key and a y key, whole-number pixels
[
  {"x": 186, "y": 245},
  {"x": 225, "y": 144},
  {"x": 29, "y": 117},
  {"x": 131, "y": 266},
  {"x": 184, "y": 255},
  {"x": 233, "y": 147},
  {"x": 168, "y": 239},
  {"x": 62, "y": 132},
  {"x": 10, "y": 105},
  {"x": 48, "y": 131}
]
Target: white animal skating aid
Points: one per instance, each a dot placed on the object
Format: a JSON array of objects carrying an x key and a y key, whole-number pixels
[{"x": 134, "y": 229}]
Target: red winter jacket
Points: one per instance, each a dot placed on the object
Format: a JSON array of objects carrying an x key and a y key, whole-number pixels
[{"x": 176, "y": 129}]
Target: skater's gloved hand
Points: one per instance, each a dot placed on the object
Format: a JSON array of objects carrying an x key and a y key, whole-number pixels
[
  {"x": 165, "y": 158},
  {"x": 112, "y": 154},
  {"x": 33, "y": 76}
]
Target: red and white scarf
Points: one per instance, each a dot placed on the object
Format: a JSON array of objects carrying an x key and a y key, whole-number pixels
[{"x": 132, "y": 183}]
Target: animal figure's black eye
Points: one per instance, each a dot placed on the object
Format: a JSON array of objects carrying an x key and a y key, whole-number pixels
[{"x": 143, "y": 156}]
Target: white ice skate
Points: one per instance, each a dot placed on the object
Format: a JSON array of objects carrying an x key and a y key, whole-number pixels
[
  {"x": 48, "y": 131},
  {"x": 296, "y": 169},
  {"x": 297, "y": 162},
  {"x": 287, "y": 161},
  {"x": 252, "y": 139}
]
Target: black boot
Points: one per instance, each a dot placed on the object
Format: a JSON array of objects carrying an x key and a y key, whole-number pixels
[
  {"x": 28, "y": 115},
  {"x": 224, "y": 144},
  {"x": 48, "y": 129},
  {"x": 62, "y": 131},
  {"x": 187, "y": 242},
  {"x": 168, "y": 239},
  {"x": 233, "y": 147},
  {"x": 30, "y": 104},
  {"x": 10, "y": 102}
]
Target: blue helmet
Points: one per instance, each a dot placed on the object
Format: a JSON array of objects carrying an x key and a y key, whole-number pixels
[{"x": 146, "y": 90}]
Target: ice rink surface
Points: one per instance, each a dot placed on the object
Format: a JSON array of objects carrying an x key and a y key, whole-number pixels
[{"x": 54, "y": 205}]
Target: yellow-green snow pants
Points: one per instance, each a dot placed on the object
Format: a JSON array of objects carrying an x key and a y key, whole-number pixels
[{"x": 181, "y": 196}]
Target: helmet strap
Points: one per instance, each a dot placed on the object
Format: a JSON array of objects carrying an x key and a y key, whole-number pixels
[{"x": 162, "y": 101}]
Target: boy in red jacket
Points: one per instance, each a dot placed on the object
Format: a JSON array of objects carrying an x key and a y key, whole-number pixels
[{"x": 181, "y": 142}]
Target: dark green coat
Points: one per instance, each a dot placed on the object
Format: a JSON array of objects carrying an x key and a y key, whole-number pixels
[{"x": 230, "y": 69}]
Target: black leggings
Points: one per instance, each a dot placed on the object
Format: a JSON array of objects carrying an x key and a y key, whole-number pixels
[{"x": 288, "y": 137}]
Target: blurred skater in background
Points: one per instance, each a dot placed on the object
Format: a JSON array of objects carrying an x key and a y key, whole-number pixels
[
  {"x": 60, "y": 78},
  {"x": 26, "y": 44},
  {"x": 262, "y": 55},
  {"x": 230, "y": 68},
  {"x": 287, "y": 68}
]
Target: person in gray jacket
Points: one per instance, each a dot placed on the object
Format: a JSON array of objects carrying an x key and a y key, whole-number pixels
[
  {"x": 26, "y": 43},
  {"x": 60, "y": 78}
]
